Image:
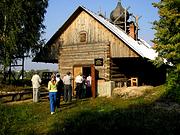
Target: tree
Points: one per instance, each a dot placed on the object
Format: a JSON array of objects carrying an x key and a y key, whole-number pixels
[
  {"x": 167, "y": 41},
  {"x": 21, "y": 27}
]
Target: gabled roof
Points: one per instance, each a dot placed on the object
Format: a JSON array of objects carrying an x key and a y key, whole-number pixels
[{"x": 140, "y": 47}]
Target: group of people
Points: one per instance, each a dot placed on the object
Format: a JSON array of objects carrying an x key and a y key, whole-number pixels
[
  {"x": 83, "y": 86},
  {"x": 58, "y": 87}
]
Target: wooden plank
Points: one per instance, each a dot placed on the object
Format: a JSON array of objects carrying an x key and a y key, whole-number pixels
[
  {"x": 112, "y": 68},
  {"x": 114, "y": 71},
  {"x": 93, "y": 81},
  {"x": 117, "y": 75},
  {"x": 76, "y": 71},
  {"x": 119, "y": 79},
  {"x": 16, "y": 95}
]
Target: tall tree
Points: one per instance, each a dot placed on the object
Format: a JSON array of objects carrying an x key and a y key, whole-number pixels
[
  {"x": 167, "y": 40},
  {"x": 21, "y": 27}
]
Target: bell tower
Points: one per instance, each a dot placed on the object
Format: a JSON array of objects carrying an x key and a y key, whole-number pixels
[{"x": 119, "y": 16}]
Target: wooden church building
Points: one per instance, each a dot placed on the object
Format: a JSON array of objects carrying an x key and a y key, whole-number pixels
[{"x": 108, "y": 49}]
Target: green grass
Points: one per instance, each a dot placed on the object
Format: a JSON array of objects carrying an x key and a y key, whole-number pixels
[{"x": 105, "y": 116}]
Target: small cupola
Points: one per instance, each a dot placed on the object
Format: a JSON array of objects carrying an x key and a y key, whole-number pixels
[{"x": 118, "y": 16}]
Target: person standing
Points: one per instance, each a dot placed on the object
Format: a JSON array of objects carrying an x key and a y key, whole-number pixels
[
  {"x": 88, "y": 85},
  {"x": 67, "y": 87},
  {"x": 36, "y": 80},
  {"x": 84, "y": 88},
  {"x": 52, "y": 93},
  {"x": 60, "y": 87},
  {"x": 79, "y": 85}
]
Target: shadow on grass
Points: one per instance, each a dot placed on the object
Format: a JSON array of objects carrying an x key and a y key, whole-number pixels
[
  {"x": 134, "y": 120},
  {"x": 102, "y": 116}
]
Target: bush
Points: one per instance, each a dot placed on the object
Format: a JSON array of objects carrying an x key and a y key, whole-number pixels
[{"x": 173, "y": 87}]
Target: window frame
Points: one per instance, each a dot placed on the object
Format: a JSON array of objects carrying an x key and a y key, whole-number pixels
[{"x": 83, "y": 37}]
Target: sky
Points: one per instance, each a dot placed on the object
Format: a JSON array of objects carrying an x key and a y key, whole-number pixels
[{"x": 59, "y": 11}]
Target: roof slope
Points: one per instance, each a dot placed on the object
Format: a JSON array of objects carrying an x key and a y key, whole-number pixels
[{"x": 141, "y": 47}]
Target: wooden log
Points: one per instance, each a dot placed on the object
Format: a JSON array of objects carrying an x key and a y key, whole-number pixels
[
  {"x": 16, "y": 96},
  {"x": 86, "y": 47},
  {"x": 119, "y": 79},
  {"x": 112, "y": 68},
  {"x": 117, "y": 75},
  {"x": 114, "y": 71},
  {"x": 105, "y": 43},
  {"x": 84, "y": 52}
]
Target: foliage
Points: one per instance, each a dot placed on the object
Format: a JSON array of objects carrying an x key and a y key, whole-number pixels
[
  {"x": 173, "y": 87},
  {"x": 21, "y": 27},
  {"x": 167, "y": 41}
]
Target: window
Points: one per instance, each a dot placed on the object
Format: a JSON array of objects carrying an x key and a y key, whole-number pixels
[{"x": 83, "y": 36}]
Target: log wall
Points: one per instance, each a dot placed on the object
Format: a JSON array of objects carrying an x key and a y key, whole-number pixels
[{"x": 100, "y": 43}]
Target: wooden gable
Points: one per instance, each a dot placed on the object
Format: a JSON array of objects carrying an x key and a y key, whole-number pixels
[
  {"x": 95, "y": 33},
  {"x": 79, "y": 22},
  {"x": 97, "y": 42}
]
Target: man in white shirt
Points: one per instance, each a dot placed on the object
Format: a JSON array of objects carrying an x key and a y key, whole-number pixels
[
  {"x": 67, "y": 79},
  {"x": 79, "y": 81},
  {"x": 36, "y": 80}
]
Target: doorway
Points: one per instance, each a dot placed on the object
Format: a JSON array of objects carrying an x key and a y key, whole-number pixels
[{"x": 86, "y": 70}]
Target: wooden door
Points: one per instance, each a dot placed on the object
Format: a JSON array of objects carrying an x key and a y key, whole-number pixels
[
  {"x": 93, "y": 81},
  {"x": 76, "y": 71}
]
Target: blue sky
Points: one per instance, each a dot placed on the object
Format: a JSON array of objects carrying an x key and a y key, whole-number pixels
[{"x": 59, "y": 11}]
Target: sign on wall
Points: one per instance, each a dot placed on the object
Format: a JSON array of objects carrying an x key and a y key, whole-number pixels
[{"x": 98, "y": 62}]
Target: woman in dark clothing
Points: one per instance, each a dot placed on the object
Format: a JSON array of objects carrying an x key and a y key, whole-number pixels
[{"x": 60, "y": 89}]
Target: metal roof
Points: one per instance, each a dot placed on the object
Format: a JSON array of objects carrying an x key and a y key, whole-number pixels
[{"x": 140, "y": 46}]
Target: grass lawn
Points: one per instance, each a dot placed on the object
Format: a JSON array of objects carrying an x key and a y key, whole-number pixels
[{"x": 103, "y": 116}]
